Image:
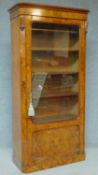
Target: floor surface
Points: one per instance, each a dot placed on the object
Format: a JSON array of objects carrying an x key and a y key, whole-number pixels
[{"x": 87, "y": 167}]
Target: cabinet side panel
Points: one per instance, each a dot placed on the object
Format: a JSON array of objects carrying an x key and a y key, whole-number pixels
[
  {"x": 16, "y": 97},
  {"x": 82, "y": 83}
]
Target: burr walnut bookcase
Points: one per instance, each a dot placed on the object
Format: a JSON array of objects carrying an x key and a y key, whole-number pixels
[{"x": 48, "y": 70}]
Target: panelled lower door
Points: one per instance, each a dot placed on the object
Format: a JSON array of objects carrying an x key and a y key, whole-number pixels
[{"x": 57, "y": 122}]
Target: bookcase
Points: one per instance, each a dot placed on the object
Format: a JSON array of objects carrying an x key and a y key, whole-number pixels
[{"x": 48, "y": 73}]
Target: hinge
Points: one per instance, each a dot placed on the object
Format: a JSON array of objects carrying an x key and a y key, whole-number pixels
[{"x": 86, "y": 26}]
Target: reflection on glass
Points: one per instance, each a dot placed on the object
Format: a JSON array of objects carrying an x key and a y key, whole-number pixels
[
  {"x": 53, "y": 45},
  {"x": 55, "y": 61}
]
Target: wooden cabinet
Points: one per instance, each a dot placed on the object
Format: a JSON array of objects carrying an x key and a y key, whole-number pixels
[{"x": 48, "y": 62}]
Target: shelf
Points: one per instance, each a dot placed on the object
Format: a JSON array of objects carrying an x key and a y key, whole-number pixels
[
  {"x": 58, "y": 94},
  {"x": 54, "y": 49},
  {"x": 53, "y": 70},
  {"x": 54, "y": 30},
  {"x": 54, "y": 118}
]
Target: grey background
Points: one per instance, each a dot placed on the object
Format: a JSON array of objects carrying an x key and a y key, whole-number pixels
[{"x": 91, "y": 69}]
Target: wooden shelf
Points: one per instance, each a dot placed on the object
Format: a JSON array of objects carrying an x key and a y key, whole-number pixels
[
  {"x": 57, "y": 94},
  {"x": 54, "y": 49},
  {"x": 54, "y": 118},
  {"x": 54, "y": 30},
  {"x": 53, "y": 70}
]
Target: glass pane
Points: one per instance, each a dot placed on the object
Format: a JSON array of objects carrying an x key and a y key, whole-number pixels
[
  {"x": 55, "y": 66},
  {"x": 53, "y": 45}
]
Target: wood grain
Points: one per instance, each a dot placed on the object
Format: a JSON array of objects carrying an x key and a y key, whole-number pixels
[{"x": 52, "y": 11}]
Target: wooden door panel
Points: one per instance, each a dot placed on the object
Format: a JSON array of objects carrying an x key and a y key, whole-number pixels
[{"x": 55, "y": 144}]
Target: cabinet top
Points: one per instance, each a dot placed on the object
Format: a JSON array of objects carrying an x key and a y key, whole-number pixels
[{"x": 24, "y": 8}]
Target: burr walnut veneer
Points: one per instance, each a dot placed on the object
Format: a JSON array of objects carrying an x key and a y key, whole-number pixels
[{"x": 48, "y": 70}]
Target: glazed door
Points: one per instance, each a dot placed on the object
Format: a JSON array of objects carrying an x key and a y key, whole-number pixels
[
  {"x": 55, "y": 72},
  {"x": 56, "y": 135}
]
